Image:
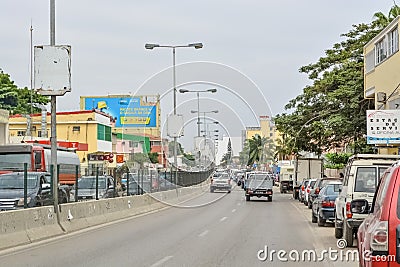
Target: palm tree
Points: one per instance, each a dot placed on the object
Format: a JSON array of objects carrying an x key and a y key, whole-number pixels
[
  {"x": 261, "y": 149},
  {"x": 382, "y": 20}
]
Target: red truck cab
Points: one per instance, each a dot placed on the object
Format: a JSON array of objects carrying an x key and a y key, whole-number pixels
[{"x": 379, "y": 234}]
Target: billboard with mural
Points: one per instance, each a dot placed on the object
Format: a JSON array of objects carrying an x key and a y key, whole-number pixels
[{"x": 136, "y": 111}]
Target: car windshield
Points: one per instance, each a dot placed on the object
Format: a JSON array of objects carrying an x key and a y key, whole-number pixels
[
  {"x": 90, "y": 183},
  {"x": 12, "y": 181},
  {"x": 365, "y": 179},
  {"x": 222, "y": 176}
]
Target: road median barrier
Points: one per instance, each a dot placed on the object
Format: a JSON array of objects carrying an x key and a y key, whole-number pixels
[{"x": 34, "y": 224}]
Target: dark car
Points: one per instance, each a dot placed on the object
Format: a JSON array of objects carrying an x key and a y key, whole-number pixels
[
  {"x": 87, "y": 187},
  {"x": 38, "y": 190},
  {"x": 260, "y": 185},
  {"x": 136, "y": 188},
  {"x": 319, "y": 184},
  {"x": 323, "y": 207}
]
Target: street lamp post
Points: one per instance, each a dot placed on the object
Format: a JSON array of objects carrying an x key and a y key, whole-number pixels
[
  {"x": 212, "y": 90},
  {"x": 173, "y": 47}
]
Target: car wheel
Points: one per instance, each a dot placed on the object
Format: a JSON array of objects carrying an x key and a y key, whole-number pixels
[
  {"x": 313, "y": 217},
  {"x": 338, "y": 231},
  {"x": 247, "y": 198},
  {"x": 348, "y": 235},
  {"x": 309, "y": 204},
  {"x": 305, "y": 203},
  {"x": 229, "y": 191},
  {"x": 321, "y": 221}
]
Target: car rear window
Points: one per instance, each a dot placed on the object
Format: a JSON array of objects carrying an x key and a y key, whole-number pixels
[
  {"x": 306, "y": 183},
  {"x": 365, "y": 179},
  {"x": 332, "y": 189},
  {"x": 312, "y": 183}
]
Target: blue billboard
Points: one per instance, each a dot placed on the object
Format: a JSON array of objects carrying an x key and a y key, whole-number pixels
[{"x": 138, "y": 111}]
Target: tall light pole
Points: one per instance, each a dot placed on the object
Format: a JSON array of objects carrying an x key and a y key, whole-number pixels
[
  {"x": 212, "y": 90},
  {"x": 174, "y": 47}
]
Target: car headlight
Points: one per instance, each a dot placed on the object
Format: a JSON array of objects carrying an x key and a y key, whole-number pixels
[{"x": 21, "y": 201}]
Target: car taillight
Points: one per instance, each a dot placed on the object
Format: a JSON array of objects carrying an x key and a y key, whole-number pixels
[
  {"x": 302, "y": 188},
  {"x": 317, "y": 190},
  {"x": 308, "y": 190},
  {"x": 328, "y": 204},
  {"x": 348, "y": 210},
  {"x": 379, "y": 237}
]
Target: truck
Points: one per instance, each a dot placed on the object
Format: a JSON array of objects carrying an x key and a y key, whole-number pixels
[
  {"x": 286, "y": 176},
  {"x": 38, "y": 159},
  {"x": 306, "y": 168}
]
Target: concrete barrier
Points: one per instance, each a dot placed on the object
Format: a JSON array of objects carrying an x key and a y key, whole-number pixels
[
  {"x": 34, "y": 224},
  {"x": 25, "y": 226}
]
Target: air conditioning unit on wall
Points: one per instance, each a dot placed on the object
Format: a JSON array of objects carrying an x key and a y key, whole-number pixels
[{"x": 381, "y": 97}]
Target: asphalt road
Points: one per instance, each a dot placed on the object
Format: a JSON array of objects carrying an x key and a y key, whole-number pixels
[{"x": 215, "y": 229}]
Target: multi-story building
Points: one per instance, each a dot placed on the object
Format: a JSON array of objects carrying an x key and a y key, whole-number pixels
[
  {"x": 87, "y": 131},
  {"x": 382, "y": 78}
]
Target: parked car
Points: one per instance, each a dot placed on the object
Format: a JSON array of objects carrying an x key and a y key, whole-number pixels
[
  {"x": 307, "y": 192},
  {"x": 221, "y": 182},
  {"x": 379, "y": 234},
  {"x": 136, "y": 188},
  {"x": 87, "y": 187},
  {"x": 361, "y": 176},
  {"x": 319, "y": 184},
  {"x": 38, "y": 194},
  {"x": 323, "y": 206},
  {"x": 302, "y": 191},
  {"x": 260, "y": 184}
]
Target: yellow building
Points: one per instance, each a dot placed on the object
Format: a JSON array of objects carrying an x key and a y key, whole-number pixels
[
  {"x": 88, "y": 131},
  {"x": 381, "y": 72},
  {"x": 136, "y": 115},
  {"x": 252, "y": 131}
]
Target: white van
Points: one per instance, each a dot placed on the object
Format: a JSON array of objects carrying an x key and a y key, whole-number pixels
[{"x": 362, "y": 174}]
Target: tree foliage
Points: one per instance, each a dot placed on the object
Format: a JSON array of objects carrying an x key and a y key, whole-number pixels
[
  {"x": 331, "y": 112},
  {"x": 336, "y": 160},
  {"x": 18, "y": 100}
]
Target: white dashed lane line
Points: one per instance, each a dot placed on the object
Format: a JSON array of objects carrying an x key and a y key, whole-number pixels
[
  {"x": 162, "y": 261},
  {"x": 223, "y": 219},
  {"x": 203, "y": 233},
  {"x": 234, "y": 210}
]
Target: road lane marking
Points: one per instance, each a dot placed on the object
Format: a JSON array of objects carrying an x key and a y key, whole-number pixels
[
  {"x": 203, "y": 233},
  {"x": 163, "y": 260},
  {"x": 233, "y": 210},
  {"x": 223, "y": 219},
  {"x": 239, "y": 204}
]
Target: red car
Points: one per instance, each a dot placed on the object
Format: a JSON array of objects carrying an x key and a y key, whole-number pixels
[{"x": 379, "y": 234}]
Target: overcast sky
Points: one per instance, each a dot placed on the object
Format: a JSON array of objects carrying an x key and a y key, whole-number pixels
[{"x": 252, "y": 49}]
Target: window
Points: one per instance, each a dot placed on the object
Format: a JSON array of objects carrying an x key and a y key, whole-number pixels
[
  {"x": 104, "y": 132},
  {"x": 369, "y": 62},
  {"x": 380, "y": 52},
  {"x": 21, "y": 133},
  {"x": 393, "y": 41},
  {"x": 365, "y": 179},
  {"x": 76, "y": 128}
]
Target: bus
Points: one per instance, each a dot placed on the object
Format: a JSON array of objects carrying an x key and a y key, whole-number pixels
[{"x": 38, "y": 159}]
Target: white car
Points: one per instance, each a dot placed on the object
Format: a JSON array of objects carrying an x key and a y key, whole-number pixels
[{"x": 310, "y": 185}]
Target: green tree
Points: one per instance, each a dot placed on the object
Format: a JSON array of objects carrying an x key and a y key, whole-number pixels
[
  {"x": 15, "y": 100},
  {"x": 331, "y": 112},
  {"x": 153, "y": 157}
]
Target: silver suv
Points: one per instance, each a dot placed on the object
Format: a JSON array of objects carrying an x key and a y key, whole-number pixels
[{"x": 362, "y": 174}]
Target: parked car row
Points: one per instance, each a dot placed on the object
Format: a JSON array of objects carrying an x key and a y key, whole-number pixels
[{"x": 364, "y": 206}]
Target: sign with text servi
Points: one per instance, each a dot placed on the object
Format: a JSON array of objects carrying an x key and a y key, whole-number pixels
[{"x": 383, "y": 126}]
